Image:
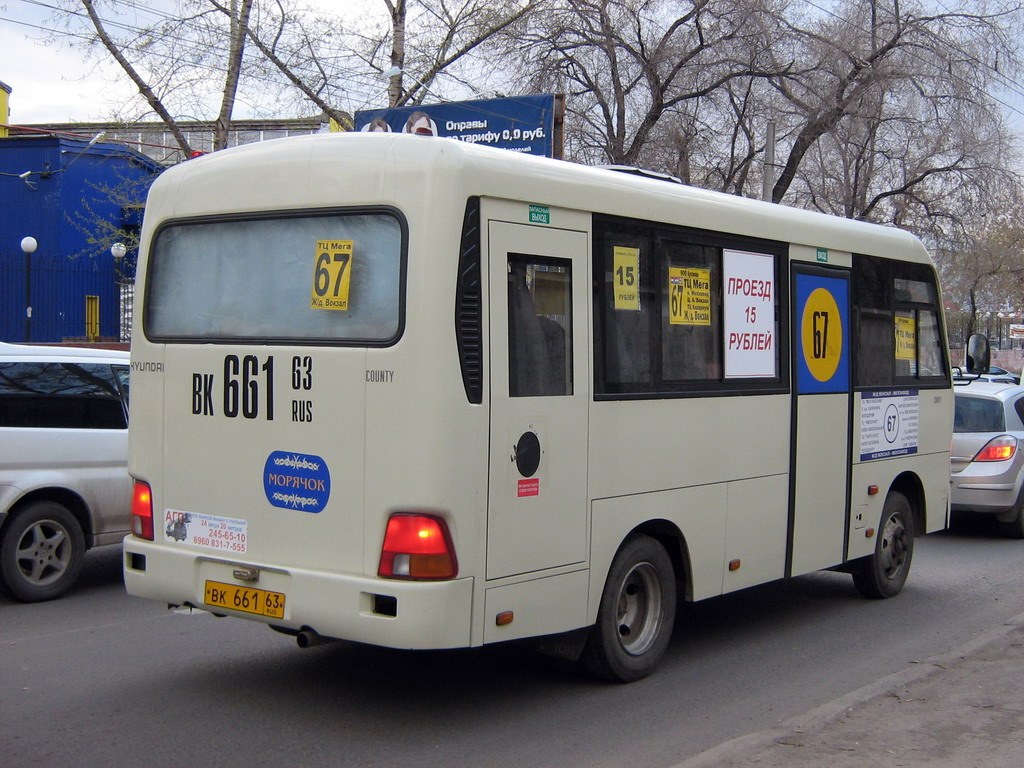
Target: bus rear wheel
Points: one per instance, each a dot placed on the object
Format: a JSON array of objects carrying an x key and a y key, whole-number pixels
[
  {"x": 884, "y": 573},
  {"x": 636, "y": 614}
]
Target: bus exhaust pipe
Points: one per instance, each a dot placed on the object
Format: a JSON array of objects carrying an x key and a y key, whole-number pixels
[{"x": 308, "y": 638}]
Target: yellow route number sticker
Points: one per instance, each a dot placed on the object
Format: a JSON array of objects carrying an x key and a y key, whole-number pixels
[
  {"x": 689, "y": 296},
  {"x": 626, "y": 277},
  {"x": 906, "y": 338},
  {"x": 332, "y": 275},
  {"x": 821, "y": 334}
]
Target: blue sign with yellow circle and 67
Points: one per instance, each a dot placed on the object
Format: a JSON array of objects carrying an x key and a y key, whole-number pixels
[{"x": 822, "y": 334}]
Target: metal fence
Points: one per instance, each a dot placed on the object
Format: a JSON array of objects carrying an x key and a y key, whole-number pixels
[{"x": 127, "y": 290}]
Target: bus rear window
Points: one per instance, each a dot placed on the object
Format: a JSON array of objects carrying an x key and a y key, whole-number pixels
[{"x": 328, "y": 278}]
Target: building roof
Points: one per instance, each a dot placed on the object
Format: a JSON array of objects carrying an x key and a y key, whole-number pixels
[{"x": 154, "y": 140}]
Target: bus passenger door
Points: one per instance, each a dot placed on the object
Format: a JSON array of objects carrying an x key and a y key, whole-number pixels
[
  {"x": 820, "y": 458},
  {"x": 537, "y": 489}
]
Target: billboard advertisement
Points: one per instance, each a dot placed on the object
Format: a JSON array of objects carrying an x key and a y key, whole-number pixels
[{"x": 519, "y": 123}]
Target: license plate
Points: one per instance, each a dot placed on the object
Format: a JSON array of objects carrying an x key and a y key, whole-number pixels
[{"x": 246, "y": 599}]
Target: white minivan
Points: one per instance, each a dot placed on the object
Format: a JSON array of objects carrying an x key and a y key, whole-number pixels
[{"x": 64, "y": 484}]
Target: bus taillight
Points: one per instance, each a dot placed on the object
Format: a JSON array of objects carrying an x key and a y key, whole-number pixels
[
  {"x": 417, "y": 546},
  {"x": 142, "y": 511}
]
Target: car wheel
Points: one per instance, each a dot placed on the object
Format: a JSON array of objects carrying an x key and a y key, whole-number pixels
[
  {"x": 884, "y": 573},
  {"x": 41, "y": 553},
  {"x": 636, "y": 613},
  {"x": 1014, "y": 528}
]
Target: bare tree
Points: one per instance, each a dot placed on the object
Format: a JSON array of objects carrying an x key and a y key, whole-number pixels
[
  {"x": 272, "y": 53},
  {"x": 891, "y": 107},
  {"x": 180, "y": 47},
  {"x": 399, "y": 11},
  {"x": 437, "y": 37},
  {"x": 641, "y": 75},
  {"x": 238, "y": 19},
  {"x": 983, "y": 274},
  {"x": 147, "y": 90},
  {"x": 299, "y": 48},
  {"x": 176, "y": 54}
]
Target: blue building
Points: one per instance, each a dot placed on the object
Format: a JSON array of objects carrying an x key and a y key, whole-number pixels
[{"x": 76, "y": 198}]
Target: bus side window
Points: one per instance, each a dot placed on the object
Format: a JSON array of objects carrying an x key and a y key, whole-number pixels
[
  {"x": 875, "y": 352},
  {"x": 539, "y": 326},
  {"x": 898, "y": 335}
]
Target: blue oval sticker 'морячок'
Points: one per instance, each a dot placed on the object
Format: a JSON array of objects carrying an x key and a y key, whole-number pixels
[{"x": 296, "y": 481}]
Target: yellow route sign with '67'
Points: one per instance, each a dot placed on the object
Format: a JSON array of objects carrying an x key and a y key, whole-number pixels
[
  {"x": 689, "y": 296},
  {"x": 332, "y": 275}
]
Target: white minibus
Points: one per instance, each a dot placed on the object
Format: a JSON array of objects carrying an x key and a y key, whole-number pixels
[{"x": 412, "y": 392}]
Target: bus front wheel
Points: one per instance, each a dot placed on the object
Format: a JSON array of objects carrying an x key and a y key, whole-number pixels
[
  {"x": 636, "y": 614},
  {"x": 884, "y": 573}
]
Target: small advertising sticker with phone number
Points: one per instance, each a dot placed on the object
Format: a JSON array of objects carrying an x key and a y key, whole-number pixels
[{"x": 227, "y": 534}]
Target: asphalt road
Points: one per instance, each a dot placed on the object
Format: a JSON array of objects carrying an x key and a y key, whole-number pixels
[{"x": 103, "y": 678}]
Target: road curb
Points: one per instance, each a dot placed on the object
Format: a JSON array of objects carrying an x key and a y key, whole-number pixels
[{"x": 814, "y": 719}]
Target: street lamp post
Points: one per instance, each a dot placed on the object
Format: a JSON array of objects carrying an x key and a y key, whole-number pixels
[
  {"x": 119, "y": 250},
  {"x": 28, "y": 246}
]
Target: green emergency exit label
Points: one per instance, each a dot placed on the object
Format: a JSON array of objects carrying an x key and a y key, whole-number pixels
[
  {"x": 540, "y": 214},
  {"x": 823, "y": 255}
]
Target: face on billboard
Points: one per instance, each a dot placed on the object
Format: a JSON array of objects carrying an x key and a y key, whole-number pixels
[
  {"x": 419, "y": 123},
  {"x": 377, "y": 125}
]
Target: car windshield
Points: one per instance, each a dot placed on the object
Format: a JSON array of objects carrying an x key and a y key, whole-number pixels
[{"x": 975, "y": 414}]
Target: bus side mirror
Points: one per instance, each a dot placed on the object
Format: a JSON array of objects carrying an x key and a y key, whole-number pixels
[{"x": 977, "y": 354}]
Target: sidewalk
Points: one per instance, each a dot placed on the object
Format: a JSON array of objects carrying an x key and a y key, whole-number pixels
[{"x": 964, "y": 709}]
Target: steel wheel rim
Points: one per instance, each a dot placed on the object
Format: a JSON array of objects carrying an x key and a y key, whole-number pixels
[
  {"x": 639, "y": 609},
  {"x": 894, "y": 546},
  {"x": 44, "y": 553}
]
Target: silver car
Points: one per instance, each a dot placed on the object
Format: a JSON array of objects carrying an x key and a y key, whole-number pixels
[
  {"x": 998, "y": 378},
  {"x": 1001, "y": 373},
  {"x": 987, "y": 452},
  {"x": 64, "y": 484}
]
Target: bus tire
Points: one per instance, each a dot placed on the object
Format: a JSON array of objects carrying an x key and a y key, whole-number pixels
[
  {"x": 41, "y": 553},
  {"x": 636, "y": 613},
  {"x": 883, "y": 574}
]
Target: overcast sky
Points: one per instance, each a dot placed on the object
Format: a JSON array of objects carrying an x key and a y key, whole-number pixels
[{"x": 48, "y": 83}]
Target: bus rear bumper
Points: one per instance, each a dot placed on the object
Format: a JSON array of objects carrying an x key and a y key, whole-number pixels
[{"x": 384, "y": 612}]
